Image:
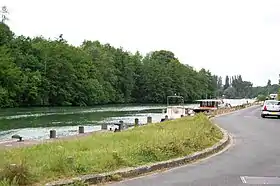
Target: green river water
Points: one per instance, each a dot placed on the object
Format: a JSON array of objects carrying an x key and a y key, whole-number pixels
[{"x": 36, "y": 122}]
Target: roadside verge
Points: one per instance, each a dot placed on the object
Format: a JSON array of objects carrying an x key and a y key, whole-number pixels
[
  {"x": 141, "y": 170},
  {"x": 109, "y": 152}
]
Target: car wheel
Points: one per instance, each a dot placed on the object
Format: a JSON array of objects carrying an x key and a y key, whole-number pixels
[{"x": 263, "y": 116}]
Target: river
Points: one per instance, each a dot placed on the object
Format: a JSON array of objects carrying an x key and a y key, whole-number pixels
[{"x": 35, "y": 123}]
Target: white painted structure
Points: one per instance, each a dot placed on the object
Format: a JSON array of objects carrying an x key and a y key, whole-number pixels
[
  {"x": 273, "y": 96},
  {"x": 175, "y": 111}
]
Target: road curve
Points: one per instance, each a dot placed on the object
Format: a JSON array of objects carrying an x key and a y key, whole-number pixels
[{"x": 254, "y": 152}]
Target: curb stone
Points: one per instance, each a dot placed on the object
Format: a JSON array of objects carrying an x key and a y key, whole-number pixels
[{"x": 132, "y": 172}]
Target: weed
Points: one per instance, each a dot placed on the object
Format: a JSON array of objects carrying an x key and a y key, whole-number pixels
[
  {"x": 79, "y": 183},
  {"x": 115, "y": 177},
  {"x": 16, "y": 173},
  {"x": 7, "y": 182}
]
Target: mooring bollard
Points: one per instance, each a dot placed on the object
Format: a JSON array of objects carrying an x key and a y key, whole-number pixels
[
  {"x": 81, "y": 129},
  {"x": 136, "y": 122},
  {"x": 16, "y": 136},
  {"x": 149, "y": 119},
  {"x": 166, "y": 117},
  {"x": 182, "y": 115},
  {"x": 104, "y": 126},
  {"x": 121, "y": 125},
  {"x": 52, "y": 133}
]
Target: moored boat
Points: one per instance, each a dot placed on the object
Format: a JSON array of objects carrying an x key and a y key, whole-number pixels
[
  {"x": 175, "y": 108},
  {"x": 207, "y": 105}
]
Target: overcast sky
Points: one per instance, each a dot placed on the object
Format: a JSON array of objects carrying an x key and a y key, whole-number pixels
[{"x": 227, "y": 37}]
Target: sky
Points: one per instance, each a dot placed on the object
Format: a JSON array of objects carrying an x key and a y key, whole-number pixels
[{"x": 228, "y": 37}]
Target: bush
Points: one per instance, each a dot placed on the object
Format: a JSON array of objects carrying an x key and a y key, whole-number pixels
[
  {"x": 16, "y": 174},
  {"x": 261, "y": 97}
]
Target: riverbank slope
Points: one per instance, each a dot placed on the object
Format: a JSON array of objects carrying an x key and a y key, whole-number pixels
[{"x": 105, "y": 152}]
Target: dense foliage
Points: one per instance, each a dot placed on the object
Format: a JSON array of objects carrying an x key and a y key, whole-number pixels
[
  {"x": 234, "y": 87},
  {"x": 41, "y": 72},
  {"x": 264, "y": 91},
  {"x": 261, "y": 97}
]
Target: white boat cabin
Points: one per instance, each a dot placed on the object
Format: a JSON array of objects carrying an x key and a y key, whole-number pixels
[{"x": 175, "y": 111}]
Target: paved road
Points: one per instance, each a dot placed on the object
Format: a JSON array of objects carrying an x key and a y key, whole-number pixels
[{"x": 255, "y": 152}]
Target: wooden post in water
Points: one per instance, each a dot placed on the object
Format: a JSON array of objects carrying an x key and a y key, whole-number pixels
[
  {"x": 149, "y": 119},
  {"x": 136, "y": 122},
  {"x": 81, "y": 129},
  {"x": 52, "y": 133}
]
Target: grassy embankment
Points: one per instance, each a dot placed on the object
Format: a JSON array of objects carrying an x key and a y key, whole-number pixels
[{"x": 104, "y": 152}]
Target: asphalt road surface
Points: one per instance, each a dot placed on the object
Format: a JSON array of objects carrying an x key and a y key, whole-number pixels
[{"x": 253, "y": 158}]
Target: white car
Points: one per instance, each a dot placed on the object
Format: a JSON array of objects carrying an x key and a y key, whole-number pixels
[{"x": 270, "y": 108}]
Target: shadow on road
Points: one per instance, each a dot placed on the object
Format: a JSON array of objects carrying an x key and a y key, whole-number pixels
[{"x": 271, "y": 117}]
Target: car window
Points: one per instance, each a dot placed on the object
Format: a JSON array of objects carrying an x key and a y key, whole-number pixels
[{"x": 272, "y": 103}]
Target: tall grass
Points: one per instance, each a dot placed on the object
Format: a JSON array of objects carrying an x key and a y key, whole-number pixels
[{"x": 108, "y": 151}]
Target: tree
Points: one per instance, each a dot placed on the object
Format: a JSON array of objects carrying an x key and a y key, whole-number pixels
[
  {"x": 40, "y": 72},
  {"x": 241, "y": 88},
  {"x": 220, "y": 89},
  {"x": 6, "y": 35},
  {"x": 10, "y": 78},
  {"x": 278, "y": 95},
  {"x": 226, "y": 83},
  {"x": 261, "y": 97},
  {"x": 264, "y": 90},
  {"x": 268, "y": 83},
  {"x": 230, "y": 92},
  {"x": 4, "y": 12},
  {"x": 220, "y": 82}
]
